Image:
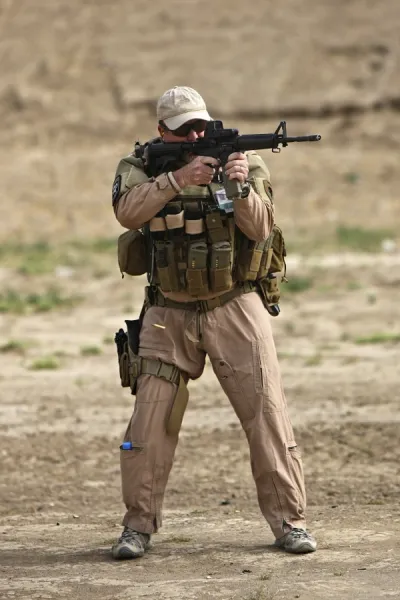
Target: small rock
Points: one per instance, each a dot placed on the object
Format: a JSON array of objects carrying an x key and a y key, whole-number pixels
[
  {"x": 75, "y": 516},
  {"x": 388, "y": 245},
  {"x": 246, "y": 571},
  {"x": 57, "y": 523},
  {"x": 225, "y": 502}
]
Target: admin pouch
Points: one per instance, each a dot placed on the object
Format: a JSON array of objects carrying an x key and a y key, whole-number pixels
[
  {"x": 132, "y": 257},
  {"x": 272, "y": 271},
  {"x": 264, "y": 263}
]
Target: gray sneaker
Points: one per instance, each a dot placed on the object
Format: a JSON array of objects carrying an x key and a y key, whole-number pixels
[
  {"x": 131, "y": 544},
  {"x": 297, "y": 541}
]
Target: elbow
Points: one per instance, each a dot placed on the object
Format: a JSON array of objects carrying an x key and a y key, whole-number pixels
[
  {"x": 126, "y": 221},
  {"x": 263, "y": 231}
]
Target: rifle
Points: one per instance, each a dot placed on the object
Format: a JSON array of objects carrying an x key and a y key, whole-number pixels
[{"x": 218, "y": 142}]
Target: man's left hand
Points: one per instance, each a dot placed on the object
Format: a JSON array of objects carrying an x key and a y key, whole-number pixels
[{"x": 237, "y": 167}]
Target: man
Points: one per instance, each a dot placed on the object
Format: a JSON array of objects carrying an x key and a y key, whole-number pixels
[{"x": 205, "y": 297}]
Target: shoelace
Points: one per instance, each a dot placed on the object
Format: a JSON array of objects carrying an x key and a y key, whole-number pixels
[
  {"x": 128, "y": 533},
  {"x": 131, "y": 533},
  {"x": 298, "y": 533}
]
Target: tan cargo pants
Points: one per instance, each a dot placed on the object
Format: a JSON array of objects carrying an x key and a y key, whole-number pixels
[{"x": 238, "y": 340}]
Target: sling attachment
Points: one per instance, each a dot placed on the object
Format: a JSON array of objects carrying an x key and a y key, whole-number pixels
[{"x": 158, "y": 368}]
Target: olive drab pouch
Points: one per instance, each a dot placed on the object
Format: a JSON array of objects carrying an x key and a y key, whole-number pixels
[
  {"x": 272, "y": 270},
  {"x": 249, "y": 259},
  {"x": 270, "y": 293},
  {"x": 167, "y": 268},
  {"x": 131, "y": 250},
  {"x": 221, "y": 267},
  {"x": 196, "y": 273},
  {"x": 278, "y": 255}
]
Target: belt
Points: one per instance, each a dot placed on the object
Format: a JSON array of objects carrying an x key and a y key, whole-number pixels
[{"x": 154, "y": 297}]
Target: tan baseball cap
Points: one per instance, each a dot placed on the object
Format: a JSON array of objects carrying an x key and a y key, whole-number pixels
[{"x": 179, "y": 105}]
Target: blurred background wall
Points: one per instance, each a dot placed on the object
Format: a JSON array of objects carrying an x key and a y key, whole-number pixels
[{"x": 80, "y": 79}]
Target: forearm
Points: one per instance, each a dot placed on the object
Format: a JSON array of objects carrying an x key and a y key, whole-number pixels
[
  {"x": 254, "y": 216},
  {"x": 142, "y": 202}
]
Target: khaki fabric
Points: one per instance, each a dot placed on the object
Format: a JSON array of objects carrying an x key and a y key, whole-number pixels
[
  {"x": 141, "y": 198},
  {"x": 237, "y": 337}
]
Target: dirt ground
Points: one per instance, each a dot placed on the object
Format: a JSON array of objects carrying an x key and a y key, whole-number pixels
[{"x": 78, "y": 86}]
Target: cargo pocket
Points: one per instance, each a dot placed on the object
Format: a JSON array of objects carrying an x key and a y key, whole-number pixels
[
  {"x": 232, "y": 387},
  {"x": 161, "y": 472},
  {"x": 267, "y": 379},
  {"x": 295, "y": 467},
  {"x": 133, "y": 464}
]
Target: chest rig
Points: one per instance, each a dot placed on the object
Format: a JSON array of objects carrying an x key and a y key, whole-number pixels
[
  {"x": 196, "y": 247},
  {"x": 193, "y": 242}
]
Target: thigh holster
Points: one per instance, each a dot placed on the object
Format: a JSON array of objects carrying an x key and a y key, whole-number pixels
[{"x": 139, "y": 365}]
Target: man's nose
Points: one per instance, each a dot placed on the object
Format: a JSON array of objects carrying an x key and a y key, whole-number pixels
[{"x": 192, "y": 137}]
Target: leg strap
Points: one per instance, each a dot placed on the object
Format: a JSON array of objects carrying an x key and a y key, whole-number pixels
[{"x": 158, "y": 368}]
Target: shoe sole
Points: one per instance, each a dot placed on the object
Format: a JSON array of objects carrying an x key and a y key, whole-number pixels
[
  {"x": 303, "y": 549},
  {"x": 126, "y": 553}
]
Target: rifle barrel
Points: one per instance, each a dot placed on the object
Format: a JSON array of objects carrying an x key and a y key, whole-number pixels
[{"x": 303, "y": 138}]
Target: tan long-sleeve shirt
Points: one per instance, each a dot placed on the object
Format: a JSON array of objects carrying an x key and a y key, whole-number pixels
[{"x": 137, "y": 199}]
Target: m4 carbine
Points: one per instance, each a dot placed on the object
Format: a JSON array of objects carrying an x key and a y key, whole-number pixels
[{"x": 218, "y": 142}]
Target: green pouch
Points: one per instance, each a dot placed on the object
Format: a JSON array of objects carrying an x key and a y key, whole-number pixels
[
  {"x": 220, "y": 267},
  {"x": 277, "y": 263},
  {"x": 131, "y": 250},
  {"x": 196, "y": 273},
  {"x": 167, "y": 268},
  {"x": 270, "y": 294},
  {"x": 216, "y": 229}
]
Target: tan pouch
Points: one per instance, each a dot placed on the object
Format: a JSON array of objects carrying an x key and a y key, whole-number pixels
[
  {"x": 273, "y": 257},
  {"x": 269, "y": 288},
  {"x": 249, "y": 260},
  {"x": 132, "y": 258},
  {"x": 277, "y": 263},
  {"x": 216, "y": 229},
  {"x": 220, "y": 267}
]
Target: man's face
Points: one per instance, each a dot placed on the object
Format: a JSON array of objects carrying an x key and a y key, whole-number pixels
[{"x": 188, "y": 132}]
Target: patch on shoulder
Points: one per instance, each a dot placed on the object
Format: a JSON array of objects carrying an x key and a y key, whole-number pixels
[{"x": 116, "y": 188}]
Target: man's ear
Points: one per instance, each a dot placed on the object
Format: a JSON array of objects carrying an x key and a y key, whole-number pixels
[{"x": 161, "y": 131}]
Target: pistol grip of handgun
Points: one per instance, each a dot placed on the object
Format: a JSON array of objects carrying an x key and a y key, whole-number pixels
[{"x": 233, "y": 188}]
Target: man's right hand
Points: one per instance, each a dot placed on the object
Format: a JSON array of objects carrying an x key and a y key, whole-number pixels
[{"x": 197, "y": 172}]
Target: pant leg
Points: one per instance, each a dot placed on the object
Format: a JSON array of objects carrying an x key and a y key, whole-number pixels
[
  {"x": 239, "y": 341},
  {"x": 145, "y": 468}
]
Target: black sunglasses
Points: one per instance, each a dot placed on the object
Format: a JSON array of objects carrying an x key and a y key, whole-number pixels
[{"x": 184, "y": 130}]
